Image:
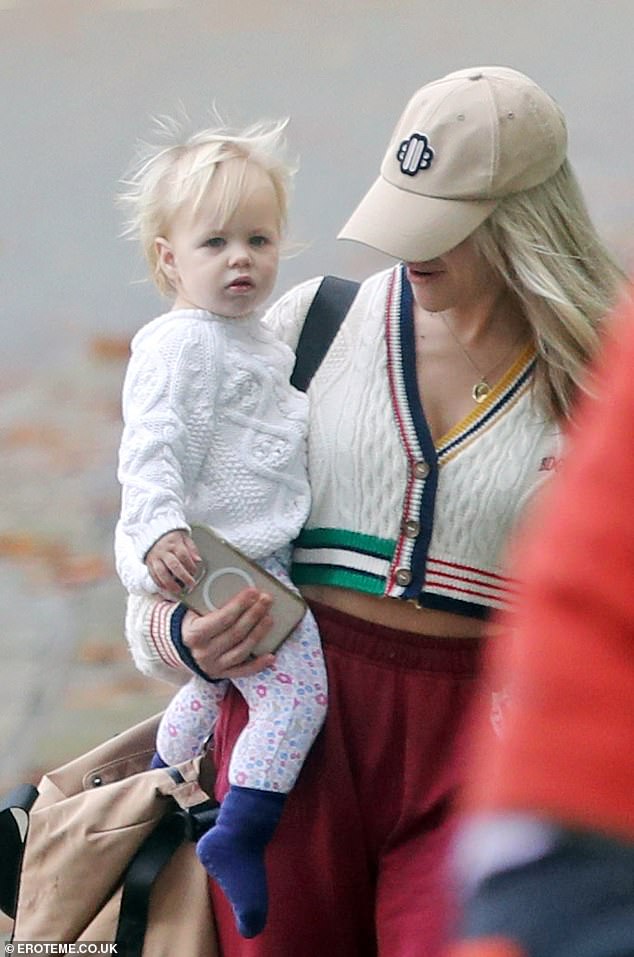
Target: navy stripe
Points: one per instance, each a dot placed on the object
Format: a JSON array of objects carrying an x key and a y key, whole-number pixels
[
  {"x": 502, "y": 401},
  {"x": 455, "y": 605},
  {"x": 428, "y": 500},
  {"x": 182, "y": 650}
]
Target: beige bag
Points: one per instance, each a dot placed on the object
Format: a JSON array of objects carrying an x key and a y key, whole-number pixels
[{"x": 96, "y": 826}]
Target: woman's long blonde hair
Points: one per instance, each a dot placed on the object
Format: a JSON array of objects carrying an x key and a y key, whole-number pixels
[{"x": 544, "y": 245}]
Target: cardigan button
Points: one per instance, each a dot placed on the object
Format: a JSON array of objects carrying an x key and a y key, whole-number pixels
[
  {"x": 421, "y": 469},
  {"x": 403, "y": 576},
  {"x": 411, "y": 528}
]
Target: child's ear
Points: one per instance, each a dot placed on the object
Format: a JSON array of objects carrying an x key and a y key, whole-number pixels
[{"x": 166, "y": 260}]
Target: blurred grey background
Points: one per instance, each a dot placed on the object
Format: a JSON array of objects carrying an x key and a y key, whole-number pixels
[{"x": 79, "y": 83}]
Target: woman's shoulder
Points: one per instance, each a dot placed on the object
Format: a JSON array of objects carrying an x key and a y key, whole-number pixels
[{"x": 285, "y": 318}]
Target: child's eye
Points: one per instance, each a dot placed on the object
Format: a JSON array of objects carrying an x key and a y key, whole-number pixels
[
  {"x": 215, "y": 242},
  {"x": 259, "y": 241}
]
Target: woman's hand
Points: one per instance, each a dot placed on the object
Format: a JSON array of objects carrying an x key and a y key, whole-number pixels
[{"x": 221, "y": 641}]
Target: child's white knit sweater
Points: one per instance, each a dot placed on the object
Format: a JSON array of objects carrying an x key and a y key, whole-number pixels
[{"x": 213, "y": 433}]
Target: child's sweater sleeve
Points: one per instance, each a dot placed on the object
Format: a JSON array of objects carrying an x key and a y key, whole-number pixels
[
  {"x": 168, "y": 415},
  {"x": 148, "y": 633}
]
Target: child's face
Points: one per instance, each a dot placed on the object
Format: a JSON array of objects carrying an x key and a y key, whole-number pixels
[{"x": 230, "y": 269}]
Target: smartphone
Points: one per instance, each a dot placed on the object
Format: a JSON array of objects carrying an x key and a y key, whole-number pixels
[{"x": 224, "y": 571}]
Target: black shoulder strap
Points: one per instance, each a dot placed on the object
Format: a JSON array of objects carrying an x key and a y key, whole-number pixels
[
  {"x": 327, "y": 310},
  {"x": 147, "y": 864}
]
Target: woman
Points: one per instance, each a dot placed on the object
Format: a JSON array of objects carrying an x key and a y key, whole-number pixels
[{"x": 434, "y": 418}]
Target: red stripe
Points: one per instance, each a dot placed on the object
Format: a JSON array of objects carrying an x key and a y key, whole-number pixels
[
  {"x": 468, "y": 568},
  {"x": 466, "y": 591},
  {"x": 467, "y": 581},
  {"x": 158, "y": 633}
]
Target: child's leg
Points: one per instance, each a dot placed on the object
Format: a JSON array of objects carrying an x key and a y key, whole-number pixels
[
  {"x": 287, "y": 706},
  {"x": 188, "y": 720}
]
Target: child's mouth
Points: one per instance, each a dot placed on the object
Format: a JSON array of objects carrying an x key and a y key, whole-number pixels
[{"x": 241, "y": 285}]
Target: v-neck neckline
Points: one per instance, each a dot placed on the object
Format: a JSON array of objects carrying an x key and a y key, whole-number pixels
[
  {"x": 400, "y": 322},
  {"x": 482, "y": 409}
]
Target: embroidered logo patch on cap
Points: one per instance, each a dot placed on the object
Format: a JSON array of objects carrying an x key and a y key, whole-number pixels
[{"x": 415, "y": 154}]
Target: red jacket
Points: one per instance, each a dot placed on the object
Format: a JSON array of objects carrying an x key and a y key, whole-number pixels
[{"x": 568, "y": 749}]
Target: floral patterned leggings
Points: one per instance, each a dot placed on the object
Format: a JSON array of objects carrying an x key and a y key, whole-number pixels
[{"x": 286, "y": 702}]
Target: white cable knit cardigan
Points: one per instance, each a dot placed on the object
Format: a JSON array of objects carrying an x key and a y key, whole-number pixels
[
  {"x": 393, "y": 512},
  {"x": 213, "y": 433}
]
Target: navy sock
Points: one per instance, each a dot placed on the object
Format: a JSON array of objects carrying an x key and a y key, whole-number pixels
[
  {"x": 233, "y": 852},
  {"x": 158, "y": 762}
]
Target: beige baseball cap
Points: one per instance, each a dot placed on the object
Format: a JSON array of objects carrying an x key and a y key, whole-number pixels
[{"x": 463, "y": 143}]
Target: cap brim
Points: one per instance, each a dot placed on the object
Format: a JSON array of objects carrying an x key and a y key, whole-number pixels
[{"x": 412, "y": 227}]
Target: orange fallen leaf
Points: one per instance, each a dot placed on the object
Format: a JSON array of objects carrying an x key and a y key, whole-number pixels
[
  {"x": 23, "y": 545},
  {"x": 102, "y": 653},
  {"x": 110, "y": 348},
  {"x": 39, "y": 435},
  {"x": 82, "y": 569}
]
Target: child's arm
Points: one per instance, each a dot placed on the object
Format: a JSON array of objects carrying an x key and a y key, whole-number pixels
[{"x": 168, "y": 412}]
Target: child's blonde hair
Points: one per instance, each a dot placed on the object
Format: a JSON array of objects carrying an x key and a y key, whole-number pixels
[{"x": 167, "y": 178}]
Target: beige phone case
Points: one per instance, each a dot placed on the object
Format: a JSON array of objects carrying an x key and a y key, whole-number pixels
[{"x": 225, "y": 571}]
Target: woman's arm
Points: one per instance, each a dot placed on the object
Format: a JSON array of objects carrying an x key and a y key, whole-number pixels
[{"x": 168, "y": 645}]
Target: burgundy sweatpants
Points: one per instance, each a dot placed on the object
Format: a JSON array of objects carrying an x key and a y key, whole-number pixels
[{"x": 357, "y": 865}]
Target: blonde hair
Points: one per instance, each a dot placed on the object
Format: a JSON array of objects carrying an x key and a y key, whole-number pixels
[
  {"x": 166, "y": 178},
  {"x": 542, "y": 242}
]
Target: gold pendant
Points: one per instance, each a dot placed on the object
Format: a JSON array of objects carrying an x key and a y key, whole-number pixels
[{"x": 481, "y": 391}]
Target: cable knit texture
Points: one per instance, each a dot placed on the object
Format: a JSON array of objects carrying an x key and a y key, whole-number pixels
[
  {"x": 365, "y": 498},
  {"x": 372, "y": 517},
  {"x": 213, "y": 433}
]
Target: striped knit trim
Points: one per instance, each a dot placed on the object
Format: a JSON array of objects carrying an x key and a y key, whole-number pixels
[
  {"x": 306, "y": 574},
  {"x": 503, "y": 396},
  {"x": 337, "y": 548},
  {"x": 331, "y": 556},
  {"x": 160, "y": 636},
  {"x": 473, "y": 584},
  {"x": 310, "y": 538},
  {"x": 420, "y": 491}
]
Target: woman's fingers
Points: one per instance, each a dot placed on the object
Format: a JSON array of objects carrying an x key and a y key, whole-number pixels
[
  {"x": 222, "y": 641},
  {"x": 251, "y": 667}
]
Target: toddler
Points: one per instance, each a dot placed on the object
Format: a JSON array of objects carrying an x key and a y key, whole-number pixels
[{"x": 215, "y": 434}]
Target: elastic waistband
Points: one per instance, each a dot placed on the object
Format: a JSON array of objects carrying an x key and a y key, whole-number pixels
[{"x": 406, "y": 649}]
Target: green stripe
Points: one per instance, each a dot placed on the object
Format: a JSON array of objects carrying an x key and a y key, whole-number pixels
[
  {"x": 352, "y": 541},
  {"x": 341, "y": 577}
]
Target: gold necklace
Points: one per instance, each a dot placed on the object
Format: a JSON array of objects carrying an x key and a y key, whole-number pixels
[{"x": 482, "y": 388}]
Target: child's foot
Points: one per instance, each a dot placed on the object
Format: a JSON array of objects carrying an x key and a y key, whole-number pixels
[
  {"x": 157, "y": 761},
  {"x": 232, "y": 852}
]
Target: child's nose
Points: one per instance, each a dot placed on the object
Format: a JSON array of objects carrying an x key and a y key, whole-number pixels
[{"x": 239, "y": 254}]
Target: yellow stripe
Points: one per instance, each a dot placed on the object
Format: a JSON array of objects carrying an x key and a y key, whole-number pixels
[
  {"x": 498, "y": 390},
  {"x": 457, "y": 449}
]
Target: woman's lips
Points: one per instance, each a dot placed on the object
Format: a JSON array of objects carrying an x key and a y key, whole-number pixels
[{"x": 423, "y": 275}]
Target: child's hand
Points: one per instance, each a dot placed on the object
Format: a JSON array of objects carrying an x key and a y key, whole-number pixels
[{"x": 172, "y": 562}]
